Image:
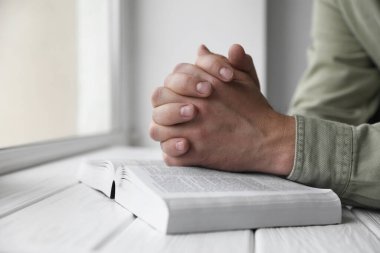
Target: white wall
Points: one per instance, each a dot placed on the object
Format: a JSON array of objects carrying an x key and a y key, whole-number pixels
[
  {"x": 168, "y": 32},
  {"x": 288, "y": 37}
]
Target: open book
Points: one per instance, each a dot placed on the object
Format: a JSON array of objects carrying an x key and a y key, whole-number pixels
[{"x": 191, "y": 199}]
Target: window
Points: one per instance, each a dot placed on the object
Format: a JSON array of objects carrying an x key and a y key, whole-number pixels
[
  {"x": 65, "y": 67},
  {"x": 59, "y": 77}
]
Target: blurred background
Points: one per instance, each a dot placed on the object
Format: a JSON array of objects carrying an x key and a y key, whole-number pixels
[{"x": 57, "y": 60}]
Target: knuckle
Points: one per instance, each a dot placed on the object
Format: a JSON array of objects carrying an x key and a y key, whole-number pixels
[
  {"x": 187, "y": 79},
  {"x": 173, "y": 160},
  {"x": 170, "y": 161},
  {"x": 167, "y": 148},
  {"x": 168, "y": 79},
  {"x": 181, "y": 83},
  {"x": 214, "y": 81},
  {"x": 203, "y": 107},
  {"x": 220, "y": 58},
  {"x": 156, "y": 95},
  {"x": 178, "y": 79},
  {"x": 212, "y": 61},
  {"x": 203, "y": 134},
  {"x": 203, "y": 154},
  {"x": 155, "y": 116},
  {"x": 164, "y": 147},
  {"x": 180, "y": 66},
  {"x": 200, "y": 134},
  {"x": 223, "y": 58},
  {"x": 212, "y": 64},
  {"x": 188, "y": 85},
  {"x": 153, "y": 131},
  {"x": 166, "y": 158}
]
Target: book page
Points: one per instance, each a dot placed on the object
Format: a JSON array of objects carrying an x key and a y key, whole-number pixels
[
  {"x": 213, "y": 197},
  {"x": 193, "y": 179},
  {"x": 98, "y": 174}
]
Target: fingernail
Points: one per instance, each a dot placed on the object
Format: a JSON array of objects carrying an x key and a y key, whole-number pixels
[
  {"x": 226, "y": 73},
  {"x": 180, "y": 145},
  {"x": 204, "y": 87},
  {"x": 187, "y": 111}
]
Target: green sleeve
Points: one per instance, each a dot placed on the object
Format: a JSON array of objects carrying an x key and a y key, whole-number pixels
[
  {"x": 341, "y": 82},
  {"x": 337, "y": 95},
  {"x": 339, "y": 156}
]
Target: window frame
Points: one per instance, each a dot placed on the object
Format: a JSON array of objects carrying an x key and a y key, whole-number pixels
[{"x": 24, "y": 156}]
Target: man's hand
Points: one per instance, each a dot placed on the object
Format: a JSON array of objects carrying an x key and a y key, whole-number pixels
[
  {"x": 218, "y": 118},
  {"x": 236, "y": 57}
]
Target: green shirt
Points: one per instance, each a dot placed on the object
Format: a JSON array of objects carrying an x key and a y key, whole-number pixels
[{"x": 337, "y": 103}]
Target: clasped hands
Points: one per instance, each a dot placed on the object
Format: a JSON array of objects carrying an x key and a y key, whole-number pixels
[{"x": 212, "y": 114}]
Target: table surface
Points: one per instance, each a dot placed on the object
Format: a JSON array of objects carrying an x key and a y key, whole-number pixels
[{"x": 44, "y": 208}]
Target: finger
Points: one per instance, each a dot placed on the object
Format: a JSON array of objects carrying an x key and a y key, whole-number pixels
[
  {"x": 239, "y": 59},
  {"x": 164, "y": 133},
  {"x": 215, "y": 65},
  {"x": 175, "y": 147},
  {"x": 188, "y": 85},
  {"x": 197, "y": 72},
  {"x": 202, "y": 50},
  {"x": 242, "y": 61},
  {"x": 163, "y": 95},
  {"x": 173, "y": 113},
  {"x": 190, "y": 158},
  {"x": 177, "y": 161}
]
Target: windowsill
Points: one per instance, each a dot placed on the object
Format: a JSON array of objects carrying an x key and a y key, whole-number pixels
[{"x": 26, "y": 187}]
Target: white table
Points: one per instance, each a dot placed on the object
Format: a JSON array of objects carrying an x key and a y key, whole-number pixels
[{"x": 44, "y": 209}]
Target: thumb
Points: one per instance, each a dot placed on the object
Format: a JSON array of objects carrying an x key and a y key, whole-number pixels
[
  {"x": 203, "y": 50},
  {"x": 242, "y": 61}
]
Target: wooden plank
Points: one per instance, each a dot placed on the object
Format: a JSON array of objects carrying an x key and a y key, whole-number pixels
[
  {"x": 77, "y": 218},
  {"x": 140, "y": 238},
  {"x": 350, "y": 236},
  {"x": 23, "y": 188},
  {"x": 370, "y": 219}
]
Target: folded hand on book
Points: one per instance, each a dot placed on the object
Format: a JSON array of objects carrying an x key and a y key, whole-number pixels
[{"x": 213, "y": 114}]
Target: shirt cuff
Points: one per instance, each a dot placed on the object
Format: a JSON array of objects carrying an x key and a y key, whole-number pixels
[{"x": 323, "y": 155}]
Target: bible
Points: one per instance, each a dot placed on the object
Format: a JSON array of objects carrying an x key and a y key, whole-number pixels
[{"x": 193, "y": 199}]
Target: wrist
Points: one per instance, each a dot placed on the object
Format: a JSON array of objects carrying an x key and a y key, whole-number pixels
[{"x": 281, "y": 145}]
